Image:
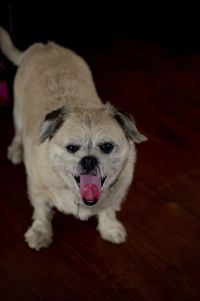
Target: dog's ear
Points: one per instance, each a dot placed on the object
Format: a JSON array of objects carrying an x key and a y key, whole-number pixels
[
  {"x": 127, "y": 123},
  {"x": 51, "y": 123}
]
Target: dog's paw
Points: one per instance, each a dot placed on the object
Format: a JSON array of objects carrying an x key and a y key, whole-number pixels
[
  {"x": 38, "y": 236},
  {"x": 15, "y": 153},
  {"x": 113, "y": 232}
]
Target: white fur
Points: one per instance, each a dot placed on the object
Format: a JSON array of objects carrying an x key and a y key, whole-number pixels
[{"x": 50, "y": 77}]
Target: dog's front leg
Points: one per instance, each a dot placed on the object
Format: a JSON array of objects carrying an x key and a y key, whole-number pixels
[
  {"x": 110, "y": 228},
  {"x": 40, "y": 234}
]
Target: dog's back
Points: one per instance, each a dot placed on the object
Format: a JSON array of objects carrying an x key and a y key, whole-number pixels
[{"x": 49, "y": 76}]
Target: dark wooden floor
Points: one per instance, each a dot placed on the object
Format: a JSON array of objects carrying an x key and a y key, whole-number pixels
[{"x": 161, "y": 258}]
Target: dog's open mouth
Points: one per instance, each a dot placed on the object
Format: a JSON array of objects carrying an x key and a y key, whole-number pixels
[{"x": 90, "y": 188}]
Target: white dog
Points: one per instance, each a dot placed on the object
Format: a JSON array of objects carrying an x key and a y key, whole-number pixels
[{"x": 79, "y": 153}]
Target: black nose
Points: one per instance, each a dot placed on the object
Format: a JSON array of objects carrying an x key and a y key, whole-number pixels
[{"x": 89, "y": 163}]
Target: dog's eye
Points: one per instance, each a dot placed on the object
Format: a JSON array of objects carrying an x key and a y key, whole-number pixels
[
  {"x": 72, "y": 148},
  {"x": 106, "y": 148}
]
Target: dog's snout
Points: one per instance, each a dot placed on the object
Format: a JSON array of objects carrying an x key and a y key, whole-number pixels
[{"x": 89, "y": 163}]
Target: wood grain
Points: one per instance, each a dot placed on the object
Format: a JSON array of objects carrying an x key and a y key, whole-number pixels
[{"x": 160, "y": 260}]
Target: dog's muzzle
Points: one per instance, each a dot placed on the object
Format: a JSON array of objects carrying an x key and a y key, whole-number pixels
[{"x": 89, "y": 181}]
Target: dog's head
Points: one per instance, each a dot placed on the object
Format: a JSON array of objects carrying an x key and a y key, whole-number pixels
[{"x": 90, "y": 147}]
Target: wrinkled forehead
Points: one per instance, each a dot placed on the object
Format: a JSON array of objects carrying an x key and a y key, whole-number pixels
[{"x": 90, "y": 127}]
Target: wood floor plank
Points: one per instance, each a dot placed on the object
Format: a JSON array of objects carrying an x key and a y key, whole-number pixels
[
  {"x": 160, "y": 260},
  {"x": 48, "y": 274},
  {"x": 188, "y": 185}
]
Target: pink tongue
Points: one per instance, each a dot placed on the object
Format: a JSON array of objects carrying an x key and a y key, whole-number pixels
[{"x": 90, "y": 187}]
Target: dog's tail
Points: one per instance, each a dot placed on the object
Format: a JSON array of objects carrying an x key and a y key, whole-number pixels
[{"x": 8, "y": 48}]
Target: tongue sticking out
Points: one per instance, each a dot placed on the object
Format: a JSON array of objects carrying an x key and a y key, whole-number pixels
[{"x": 90, "y": 188}]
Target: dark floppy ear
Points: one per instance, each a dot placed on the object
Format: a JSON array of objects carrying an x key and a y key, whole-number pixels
[
  {"x": 51, "y": 123},
  {"x": 127, "y": 123}
]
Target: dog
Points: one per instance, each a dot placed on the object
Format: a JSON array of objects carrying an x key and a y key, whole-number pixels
[{"x": 79, "y": 153}]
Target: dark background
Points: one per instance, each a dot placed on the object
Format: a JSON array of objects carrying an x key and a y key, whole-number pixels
[{"x": 89, "y": 25}]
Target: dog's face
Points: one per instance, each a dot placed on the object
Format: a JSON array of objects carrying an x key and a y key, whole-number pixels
[{"x": 89, "y": 148}]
